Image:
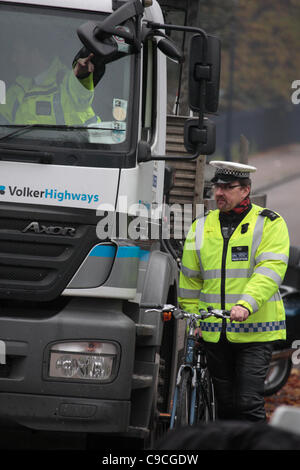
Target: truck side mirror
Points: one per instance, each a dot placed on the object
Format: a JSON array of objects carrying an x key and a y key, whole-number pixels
[
  {"x": 101, "y": 37},
  {"x": 205, "y": 63},
  {"x": 107, "y": 48},
  {"x": 201, "y": 140}
]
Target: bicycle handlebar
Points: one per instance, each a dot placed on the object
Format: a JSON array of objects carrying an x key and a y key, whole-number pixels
[
  {"x": 180, "y": 314},
  {"x": 203, "y": 314},
  {"x": 158, "y": 307}
]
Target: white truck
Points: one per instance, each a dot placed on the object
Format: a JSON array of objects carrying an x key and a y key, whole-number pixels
[{"x": 82, "y": 153}]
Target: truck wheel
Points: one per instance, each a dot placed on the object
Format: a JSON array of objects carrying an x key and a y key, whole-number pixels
[
  {"x": 155, "y": 426},
  {"x": 278, "y": 374}
]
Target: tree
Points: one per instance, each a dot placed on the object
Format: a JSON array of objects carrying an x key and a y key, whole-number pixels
[
  {"x": 267, "y": 52},
  {"x": 262, "y": 36}
]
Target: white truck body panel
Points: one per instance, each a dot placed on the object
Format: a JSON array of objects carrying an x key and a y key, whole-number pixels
[
  {"x": 89, "y": 5},
  {"x": 65, "y": 186},
  {"x": 140, "y": 185}
]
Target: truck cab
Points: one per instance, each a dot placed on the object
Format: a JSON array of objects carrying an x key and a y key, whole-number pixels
[{"x": 82, "y": 164}]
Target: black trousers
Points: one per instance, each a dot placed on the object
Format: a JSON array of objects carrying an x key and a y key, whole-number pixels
[{"x": 238, "y": 371}]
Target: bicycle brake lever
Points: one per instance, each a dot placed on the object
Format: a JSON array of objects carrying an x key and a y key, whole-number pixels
[{"x": 178, "y": 315}]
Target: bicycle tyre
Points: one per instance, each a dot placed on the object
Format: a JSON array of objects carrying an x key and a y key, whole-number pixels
[
  {"x": 205, "y": 401},
  {"x": 183, "y": 405}
]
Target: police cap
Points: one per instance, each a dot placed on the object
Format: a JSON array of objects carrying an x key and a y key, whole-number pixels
[{"x": 230, "y": 171}]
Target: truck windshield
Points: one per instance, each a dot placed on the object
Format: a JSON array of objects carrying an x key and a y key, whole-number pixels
[{"x": 55, "y": 91}]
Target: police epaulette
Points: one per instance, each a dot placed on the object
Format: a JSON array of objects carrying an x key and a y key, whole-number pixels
[
  {"x": 206, "y": 212},
  {"x": 270, "y": 214}
]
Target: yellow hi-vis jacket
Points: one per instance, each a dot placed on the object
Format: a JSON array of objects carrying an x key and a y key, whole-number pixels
[
  {"x": 61, "y": 99},
  {"x": 248, "y": 272}
]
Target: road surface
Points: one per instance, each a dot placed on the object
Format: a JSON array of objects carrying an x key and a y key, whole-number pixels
[
  {"x": 285, "y": 200},
  {"x": 278, "y": 176}
]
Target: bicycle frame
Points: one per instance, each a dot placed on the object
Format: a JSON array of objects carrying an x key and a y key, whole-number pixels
[{"x": 192, "y": 363}]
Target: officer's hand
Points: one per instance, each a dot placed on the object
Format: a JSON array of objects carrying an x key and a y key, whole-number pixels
[
  {"x": 238, "y": 313},
  {"x": 198, "y": 332},
  {"x": 84, "y": 66}
]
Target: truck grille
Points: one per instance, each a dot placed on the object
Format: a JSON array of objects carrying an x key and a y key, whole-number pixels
[{"x": 41, "y": 248}]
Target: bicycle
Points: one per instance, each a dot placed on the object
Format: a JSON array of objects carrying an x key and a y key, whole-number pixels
[{"x": 194, "y": 398}]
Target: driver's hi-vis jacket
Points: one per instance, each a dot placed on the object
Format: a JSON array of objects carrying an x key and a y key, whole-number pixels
[
  {"x": 61, "y": 99},
  {"x": 246, "y": 269}
]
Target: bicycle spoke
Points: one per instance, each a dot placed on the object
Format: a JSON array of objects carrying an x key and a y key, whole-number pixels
[{"x": 205, "y": 406}]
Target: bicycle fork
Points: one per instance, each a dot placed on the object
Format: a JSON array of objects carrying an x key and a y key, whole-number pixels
[
  {"x": 193, "y": 396},
  {"x": 188, "y": 364}
]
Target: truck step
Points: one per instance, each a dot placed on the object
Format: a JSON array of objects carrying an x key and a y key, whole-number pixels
[
  {"x": 137, "y": 431},
  {"x": 141, "y": 381},
  {"x": 144, "y": 330}
]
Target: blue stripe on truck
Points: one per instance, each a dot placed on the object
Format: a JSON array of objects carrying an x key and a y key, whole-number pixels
[{"x": 108, "y": 251}]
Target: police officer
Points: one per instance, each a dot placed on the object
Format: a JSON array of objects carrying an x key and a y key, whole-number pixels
[{"x": 235, "y": 258}]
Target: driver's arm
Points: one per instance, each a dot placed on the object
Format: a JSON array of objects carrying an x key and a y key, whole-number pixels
[{"x": 79, "y": 83}]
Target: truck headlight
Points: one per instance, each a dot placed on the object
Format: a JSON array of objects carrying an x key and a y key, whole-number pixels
[{"x": 83, "y": 360}]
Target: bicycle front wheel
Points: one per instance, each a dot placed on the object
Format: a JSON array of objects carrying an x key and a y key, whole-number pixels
[
  {"x": 183, "y": 402},
  {"x": 205, "y": 407}
]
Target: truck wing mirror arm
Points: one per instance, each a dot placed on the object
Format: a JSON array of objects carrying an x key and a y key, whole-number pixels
[
  {"x": 110, "y": 26},
  {"x": 197, "y": 141},
  {"x": 204, "y": 85},
  {"x": 143, "y": 156},
  {"x": 98, "y": 36}
]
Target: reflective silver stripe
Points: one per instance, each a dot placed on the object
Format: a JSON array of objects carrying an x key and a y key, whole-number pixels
[
  {"x": 230, "y": 273},
  {"x": 238, "y": 273},
  {"x": 199, "y": 240},
  {"x": 14, "y": 110},
  {"x": 234, "y": 298},
  {"x": 276, "y": 297},
  {"x": 216, "y": 298},
  {"x": 191, "y": 273},
  {"x": 266, "y": 256},
  {"x": 248, "y": 298},
  {"x": 269, "y": 273},
  {"x": 212, "y": 274},
  {"x": 260, "y": 327},
  {"x": 188, "y": 293},
  {"x": 92, "y": 120},
  {"x": 58, "y": 111},
  {"x": 256, "y": 239},
  {"x": 210, "y": 298}
]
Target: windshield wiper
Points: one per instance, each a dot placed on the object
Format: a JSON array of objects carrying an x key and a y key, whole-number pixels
[
  {"x": 18, "y": 131},
  {"x": 27, "y": 156},
  {"x": 26, "y": 128},
  {"x": 21, "y": 155}
]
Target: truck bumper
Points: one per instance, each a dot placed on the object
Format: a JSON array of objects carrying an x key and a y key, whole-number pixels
[
  {"x": 30, "y": 397},
  {"x": 48, "y": 413}
]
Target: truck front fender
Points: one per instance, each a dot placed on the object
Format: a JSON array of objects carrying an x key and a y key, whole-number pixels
[{"x": 161, "y": 274}]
